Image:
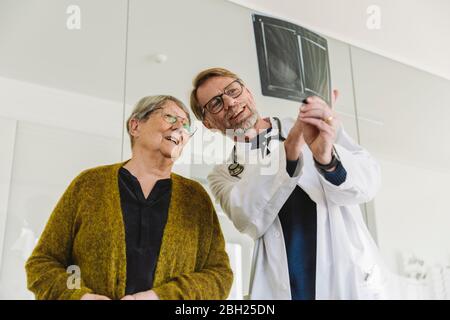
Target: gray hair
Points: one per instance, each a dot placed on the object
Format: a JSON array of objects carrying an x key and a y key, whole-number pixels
[{"x": 147, "y": 105}]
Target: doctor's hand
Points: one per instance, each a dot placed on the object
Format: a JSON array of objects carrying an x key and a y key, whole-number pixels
[
  {"x": 319, "y": 127},
  {"x": 294, "y": 141}
]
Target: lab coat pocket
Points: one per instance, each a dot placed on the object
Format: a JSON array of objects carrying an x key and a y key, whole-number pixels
[{"x": 366, "y": 276}]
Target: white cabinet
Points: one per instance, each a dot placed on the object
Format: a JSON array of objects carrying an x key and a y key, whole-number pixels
[
  {"x": 7, "y": 137},
  {"x": 46, "y": 159},
  {"x": 61, "y": 112},
  {"x": 409, "y": 137}
]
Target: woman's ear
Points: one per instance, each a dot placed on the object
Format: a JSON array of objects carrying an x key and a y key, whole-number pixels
[{"x": 134, "y": 127}]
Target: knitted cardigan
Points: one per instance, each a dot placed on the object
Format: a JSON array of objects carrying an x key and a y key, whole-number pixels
[{"x": 86, "y": 229}]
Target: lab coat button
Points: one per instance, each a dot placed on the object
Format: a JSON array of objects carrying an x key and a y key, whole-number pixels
[{"x": 276, "y": 234}]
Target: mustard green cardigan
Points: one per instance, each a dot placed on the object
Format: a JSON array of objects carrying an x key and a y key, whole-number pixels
[{"x": 86, "y": 229}]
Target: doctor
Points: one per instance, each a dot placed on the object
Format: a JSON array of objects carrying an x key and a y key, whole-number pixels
[{"x": 302, "y": 209}]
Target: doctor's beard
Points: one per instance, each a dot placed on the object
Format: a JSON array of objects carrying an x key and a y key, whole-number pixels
[{"x": 241, "y": 128}]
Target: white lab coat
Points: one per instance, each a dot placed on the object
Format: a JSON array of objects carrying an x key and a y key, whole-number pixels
[{"x": 348, "y": 265}]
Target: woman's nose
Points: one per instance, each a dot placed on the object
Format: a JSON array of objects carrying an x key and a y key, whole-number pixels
[{"x": 177, "y": 124}]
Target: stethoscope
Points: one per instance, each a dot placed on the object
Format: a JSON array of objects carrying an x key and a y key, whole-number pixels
[{"x": 235, "y": 169}]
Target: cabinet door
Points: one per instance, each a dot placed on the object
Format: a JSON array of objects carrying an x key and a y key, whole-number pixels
[
  {"x": 403, "y": 121},
  {"x": 62, "y": 93},
  {"x": 7, "y": 137}
]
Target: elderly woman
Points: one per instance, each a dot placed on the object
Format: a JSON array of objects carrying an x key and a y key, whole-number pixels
[{"x": 135, "y": 230}]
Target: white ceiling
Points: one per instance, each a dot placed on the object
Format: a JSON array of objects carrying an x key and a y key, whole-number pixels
[{"x": 414, "y": 32}]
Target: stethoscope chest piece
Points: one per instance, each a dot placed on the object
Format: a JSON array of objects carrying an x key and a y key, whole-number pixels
[{"x": 235, "y": 169}]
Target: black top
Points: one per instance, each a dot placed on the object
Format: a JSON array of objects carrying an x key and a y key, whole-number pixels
[{"x": 145, "y": 220}]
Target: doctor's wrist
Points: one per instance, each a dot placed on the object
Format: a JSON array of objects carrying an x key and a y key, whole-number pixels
[
  {"x": 329, "y": 163},
  {"x": 293, "y": 149}
]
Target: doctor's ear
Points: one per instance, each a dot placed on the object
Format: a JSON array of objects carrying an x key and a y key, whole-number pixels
[
  {"x": 206, "y": 124},
  {"x": 334, "y": 96},
  {"x": 249, "y": 93}
]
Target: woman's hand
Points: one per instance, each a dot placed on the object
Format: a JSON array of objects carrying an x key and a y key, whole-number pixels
[
  {"x": 145, "y": 295},
  {"x": 91, "y": 296}
]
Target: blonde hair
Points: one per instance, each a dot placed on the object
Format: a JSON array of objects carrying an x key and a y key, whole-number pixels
[
  {"x": 200, "y": 79},
  {"x": 147, "y": 105}
]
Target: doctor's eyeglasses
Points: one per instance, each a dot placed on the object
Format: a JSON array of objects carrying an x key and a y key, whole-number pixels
[{"x": 215, "y": 105}]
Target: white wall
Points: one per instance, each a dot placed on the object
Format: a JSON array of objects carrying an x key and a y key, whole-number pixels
[{"x": 36, "y": 45}]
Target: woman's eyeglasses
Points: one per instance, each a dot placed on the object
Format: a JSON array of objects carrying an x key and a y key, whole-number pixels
[{"x": 172, "y": 119}]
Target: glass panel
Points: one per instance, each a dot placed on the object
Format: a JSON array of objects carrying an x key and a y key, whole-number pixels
[
  {"x": 188, "y": 50},
  {"x": 36, "y": 186},
  {"x": 7, "y": 137},
  {"x": 148, "y": 74},
  {"x": 403, "y": 119},
  {"x": 62, "y": 79}
]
